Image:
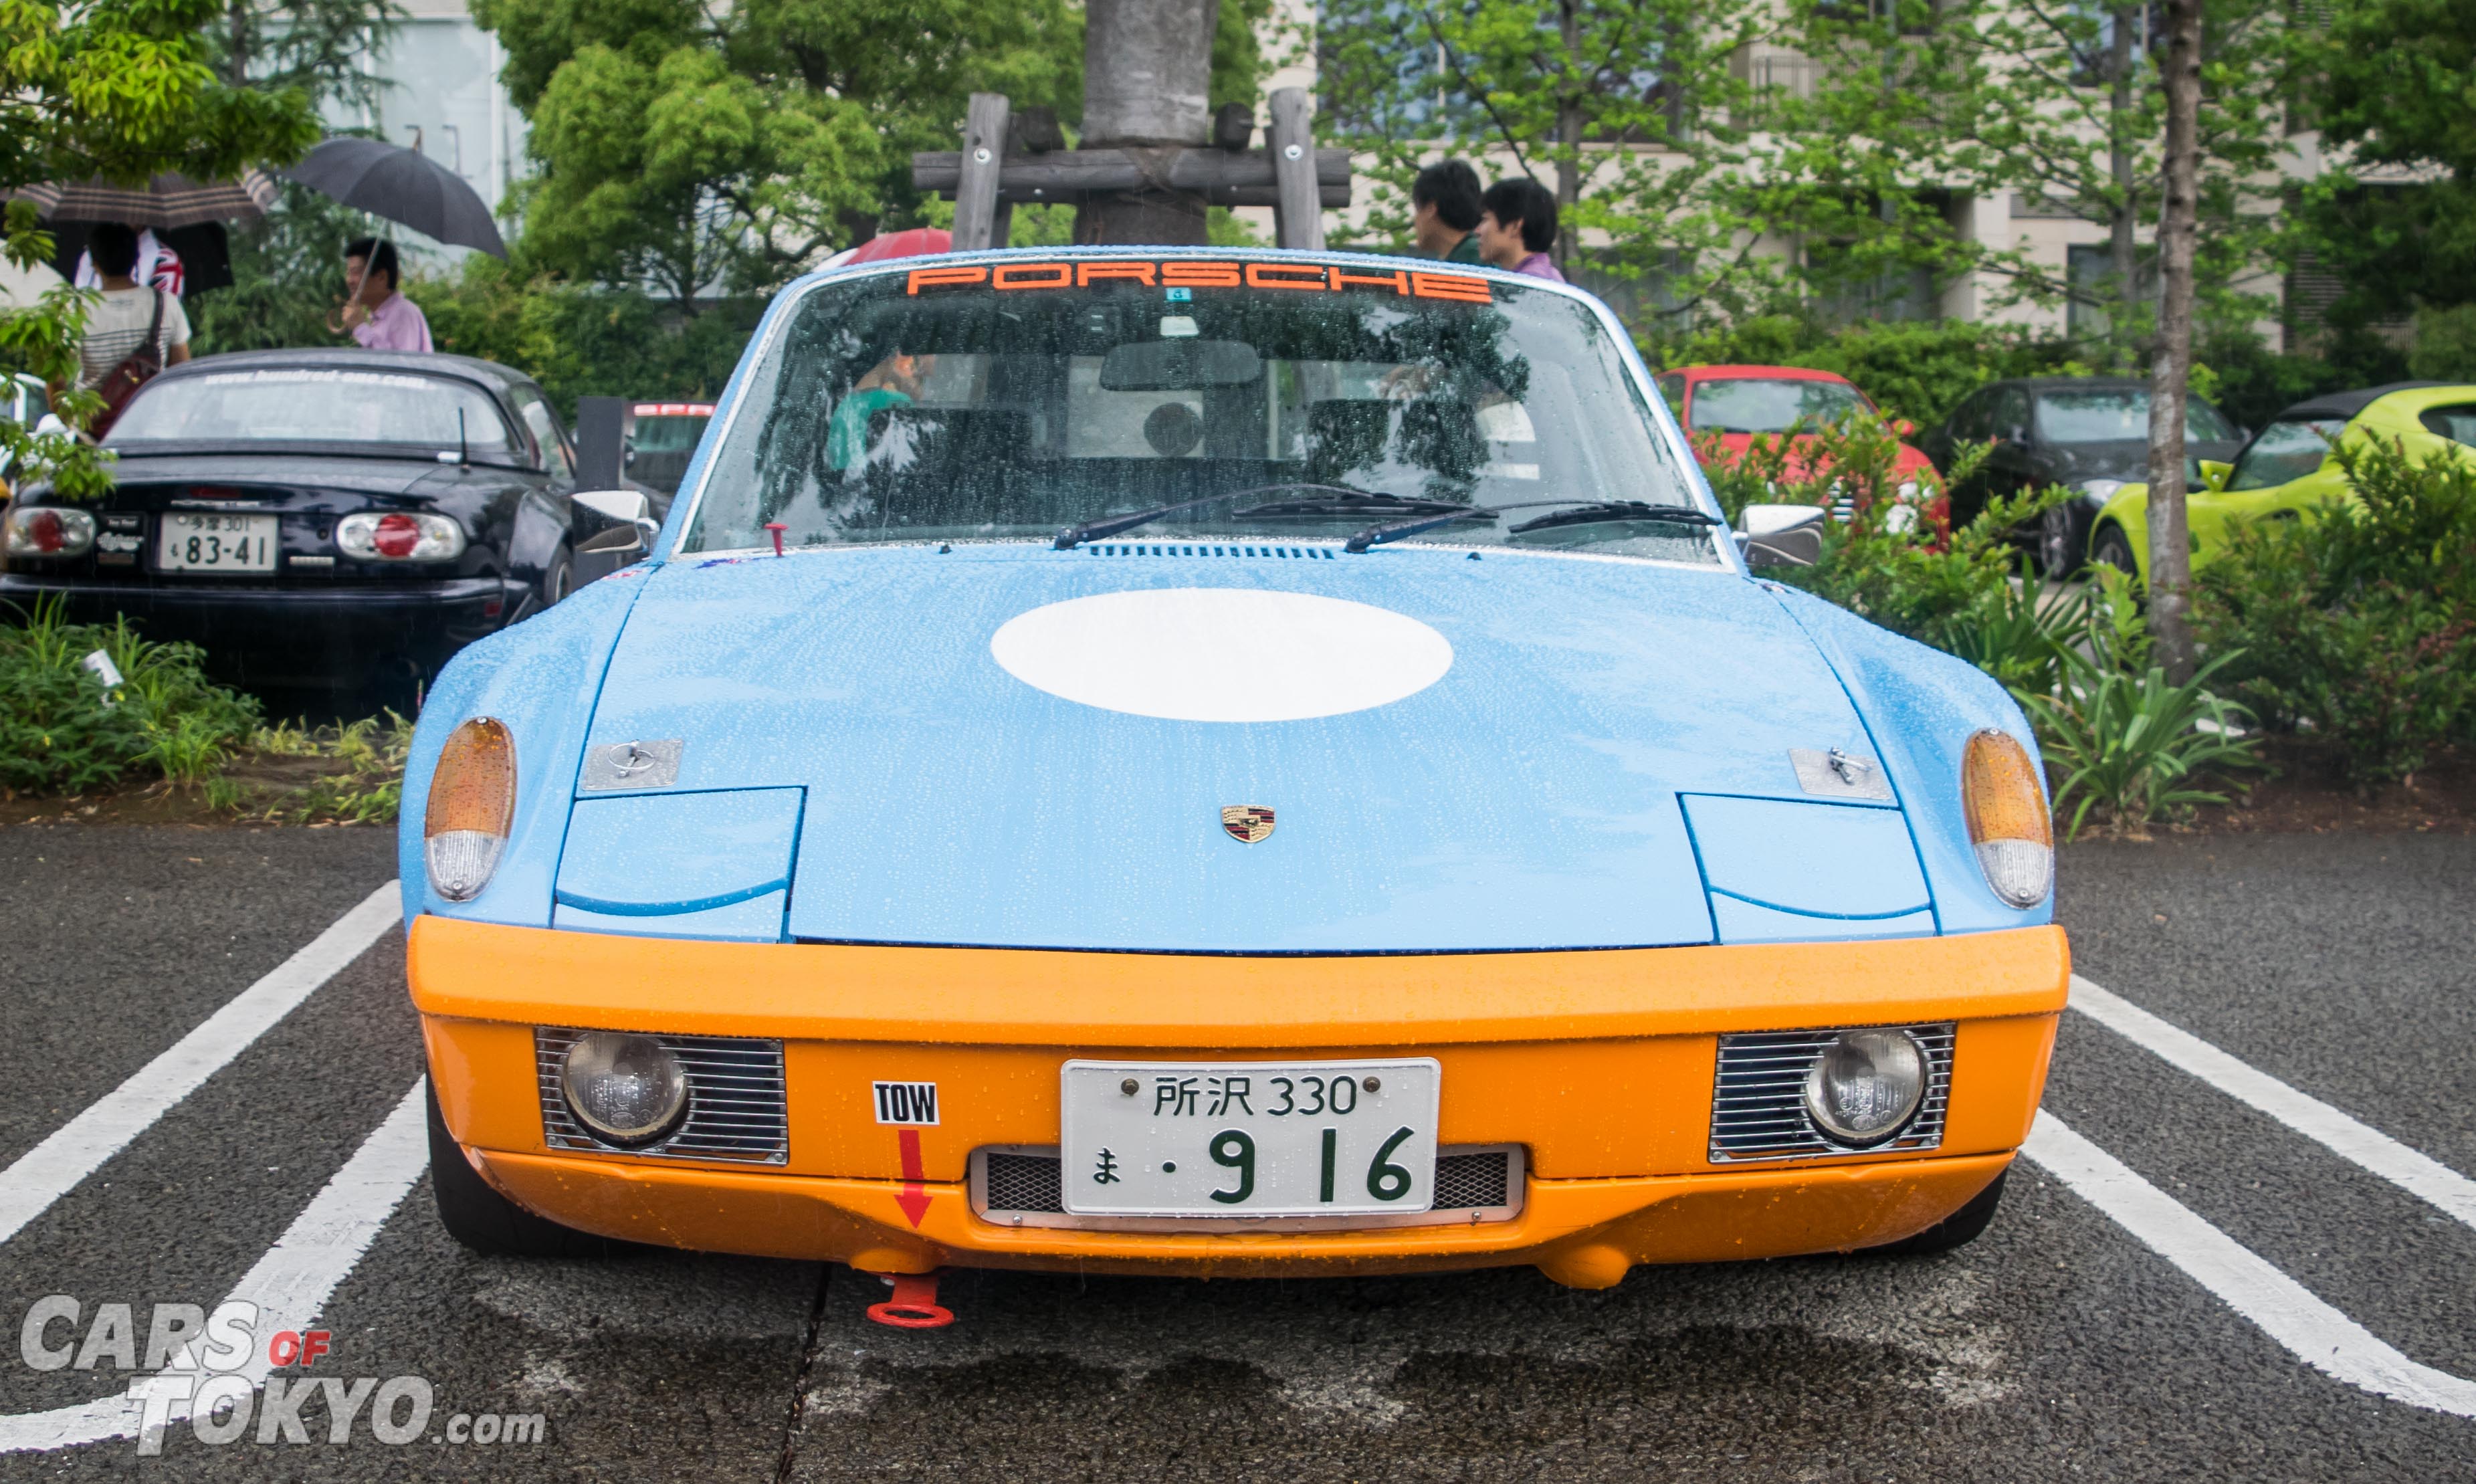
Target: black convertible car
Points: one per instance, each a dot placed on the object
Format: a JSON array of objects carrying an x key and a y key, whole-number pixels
[
  {"x": 2089, "y": 434},
  {"x": 332, "y": 518}
]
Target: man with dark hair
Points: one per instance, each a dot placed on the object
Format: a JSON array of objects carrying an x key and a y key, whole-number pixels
[
  {"x": 117, "y": 326},
  {"x": 1516, "y": 226},
  {"x": 380, "y": 317},
  {"x": 1444, "y": 211}
]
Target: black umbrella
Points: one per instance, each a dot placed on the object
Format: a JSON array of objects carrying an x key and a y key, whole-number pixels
[{"x": 403, "y": 186}]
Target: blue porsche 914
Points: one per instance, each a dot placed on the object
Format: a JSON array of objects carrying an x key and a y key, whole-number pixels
[{"x": 1217, "y": 763}]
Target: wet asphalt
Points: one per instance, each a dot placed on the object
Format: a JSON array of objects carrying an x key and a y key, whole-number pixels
[{"x": 2057, "y": 1346}]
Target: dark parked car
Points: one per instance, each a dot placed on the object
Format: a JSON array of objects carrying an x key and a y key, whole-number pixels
[
  {"x": 2089, "y": 434},
  {"x": 330, "y": 518}
]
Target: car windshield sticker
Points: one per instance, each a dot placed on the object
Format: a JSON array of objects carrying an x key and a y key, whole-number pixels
[{"x": 1182, "y": 274}]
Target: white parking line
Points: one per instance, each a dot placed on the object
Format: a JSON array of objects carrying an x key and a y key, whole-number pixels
[
  {"x": 289, "y": 1285},
  {"x": 53, "y": 1168},
  {"x": 2311, "y": 1330},
  {"x": 2418, "y": 1174}
]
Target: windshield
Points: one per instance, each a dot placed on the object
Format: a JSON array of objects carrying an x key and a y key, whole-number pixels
[
  {"x": 954, "y": 402},
  {"x": 668, "y": 432},
  {"x": 1770, "y": 407},
  {"x": 2121, "y": 417},
  {"x": 305, "y": 404},
  {"x": 2284, "y": 451}
]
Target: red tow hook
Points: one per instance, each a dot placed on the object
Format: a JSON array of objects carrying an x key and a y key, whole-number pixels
[
  {"x": 776, "y": 528},
  {"x": 914, "y": 1304}
]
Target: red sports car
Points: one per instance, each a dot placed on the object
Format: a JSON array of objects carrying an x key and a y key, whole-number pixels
[{"x": 1727, "y": 408}]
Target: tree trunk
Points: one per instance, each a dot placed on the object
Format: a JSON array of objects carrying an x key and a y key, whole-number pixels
[
  {"x": 2170, "y": 555},
  {"x": 1146, "y": 76},
  {"x": 2125, "y": 218},
  {"x": 1568, "y": 131}
]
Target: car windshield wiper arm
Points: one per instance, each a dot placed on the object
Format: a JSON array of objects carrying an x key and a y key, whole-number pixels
[
  {"x": 1111, "y": 525},
  {"x": 1441, "y": 514},
  {"x": 1617, "y": 511}
]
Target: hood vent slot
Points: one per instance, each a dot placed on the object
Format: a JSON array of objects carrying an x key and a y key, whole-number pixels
[{"x": 1195, "y": 549}]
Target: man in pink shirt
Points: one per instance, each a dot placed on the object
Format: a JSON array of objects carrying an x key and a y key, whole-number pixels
[
  {"x": 1516, "y": 226},
  {"x": 380, "y": 317}
]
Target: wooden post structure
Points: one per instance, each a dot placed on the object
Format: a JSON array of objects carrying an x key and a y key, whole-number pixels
[
  {"x": 982, "y": 216},
  {"x": 1297, "y": 212}
]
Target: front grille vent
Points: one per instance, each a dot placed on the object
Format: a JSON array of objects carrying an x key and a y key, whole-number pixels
[
  {"x": 1758, "y": 1102},
  {"x": 736, "y": 1106},
  {"x": 1021, "y": 1187},
  {"x": 1190, "y": 549}
]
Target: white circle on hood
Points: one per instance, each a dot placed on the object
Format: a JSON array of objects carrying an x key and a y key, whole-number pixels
[{"x": 1222, "y": 654}]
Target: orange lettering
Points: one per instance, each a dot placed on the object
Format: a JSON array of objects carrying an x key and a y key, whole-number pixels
[
  {"x": 1191, "y": 274},
  {"x": 1017, "y": 274},
  {"x": 1450, "y": 285},
  {"x": 1135, "y": 272},
  {"x": 934, "y": 277},
  {"x": 1396, "y": 280},
  {"x": 1259, "y": 275}
]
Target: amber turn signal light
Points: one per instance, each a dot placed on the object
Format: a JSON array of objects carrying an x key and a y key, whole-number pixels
[
  {"x": 472, "y": 808},
  {"x": 2009, "y": 822}
]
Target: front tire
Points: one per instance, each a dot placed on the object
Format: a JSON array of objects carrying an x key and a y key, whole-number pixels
[
  {"x": 1956, "y": 1230},
  {"x": 558, "y": 578},
  {"x": 2113, "y": 549},
  {"x": 2062, "y": 539},
  {"x": 486, "y": 1221}
]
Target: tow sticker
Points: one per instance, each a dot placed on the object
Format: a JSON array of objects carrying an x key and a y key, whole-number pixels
[{"x": 910, "y": 1103}]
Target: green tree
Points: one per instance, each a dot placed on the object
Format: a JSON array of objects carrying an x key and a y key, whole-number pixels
[
  {"x": 683, "y": 146},
  {"x": 319, "y": 46},
  {"x": 2389, "y": 85},
  {"x": 119, "y": 89},
  {"x": 2059, "y": 105}
]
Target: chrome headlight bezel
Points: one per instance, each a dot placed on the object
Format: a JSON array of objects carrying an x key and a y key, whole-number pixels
[
  {"x": 1895, "y": 1073},
  {"x": 626, "y": 1088}
]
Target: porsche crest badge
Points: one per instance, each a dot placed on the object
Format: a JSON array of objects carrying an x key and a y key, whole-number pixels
[{"x": 1246, "y": 822}]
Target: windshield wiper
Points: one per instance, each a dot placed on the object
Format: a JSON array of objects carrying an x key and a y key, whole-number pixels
[
  {"x": 1393, "y": 530},
  {"x": 1109, "y": 525},
  {"x": 1603, "y": 510}
]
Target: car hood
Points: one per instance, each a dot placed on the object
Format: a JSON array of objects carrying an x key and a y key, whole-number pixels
[
  {"x": 968, "y": 732},
  {"x": 2126, "y": 458}
]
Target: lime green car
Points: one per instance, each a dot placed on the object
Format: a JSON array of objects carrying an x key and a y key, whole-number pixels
[{"x": 2287, "y": 467}]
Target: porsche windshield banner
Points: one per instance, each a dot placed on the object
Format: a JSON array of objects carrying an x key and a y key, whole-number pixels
[{"x": 1202, "y": 273}]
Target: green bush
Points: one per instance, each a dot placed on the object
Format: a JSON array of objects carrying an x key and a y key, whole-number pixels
[
  {"x": 61, "y": 731},
  {"x": 2358, "y": 623},
  {"x": 2122, "y": 742},
  {"x": 2445, "y": 344}
]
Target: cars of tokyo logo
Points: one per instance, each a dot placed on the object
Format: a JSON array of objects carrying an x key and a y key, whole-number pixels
[{"x": 230, "y": 1375}]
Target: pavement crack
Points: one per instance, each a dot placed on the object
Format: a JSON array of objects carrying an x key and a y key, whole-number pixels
[{"x": 799, "y": 1381}]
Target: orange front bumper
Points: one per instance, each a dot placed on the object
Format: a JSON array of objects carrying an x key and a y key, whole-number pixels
[{"x": 1598, "y": 1063}]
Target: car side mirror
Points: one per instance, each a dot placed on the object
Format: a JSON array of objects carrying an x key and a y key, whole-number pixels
[
  {"x": 1901, "y": 427},
  {"x": 2012, "y": 434},
  {"x": 599, "y": 556},
  {"x": 1780, "y": 535},
  {"x": 2213, "y": 475},
  {"x": 619, "y": 506}
]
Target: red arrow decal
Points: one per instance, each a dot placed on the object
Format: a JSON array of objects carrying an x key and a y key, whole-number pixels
[{"x": 914, "y": 1199}]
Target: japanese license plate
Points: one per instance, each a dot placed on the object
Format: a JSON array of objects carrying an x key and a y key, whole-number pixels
[
  {"x": 211, "y": 541},
  {"x": 1249, "y": 1138}
]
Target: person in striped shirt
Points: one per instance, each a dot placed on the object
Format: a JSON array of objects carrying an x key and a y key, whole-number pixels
[{"x": 117, "y": 325}]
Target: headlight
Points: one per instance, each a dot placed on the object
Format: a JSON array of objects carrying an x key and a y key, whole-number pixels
[
  {"x": 48, "y": 530},
  {"x": 472, "y": 805},
  {"x": 1865, "y": 1086},
  {"x": 2099, "y": 490},
  {"x": 2008, "y": 819},
  {"x": 399, "y": 535},
  {"x": 627, "y": 1089}
]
